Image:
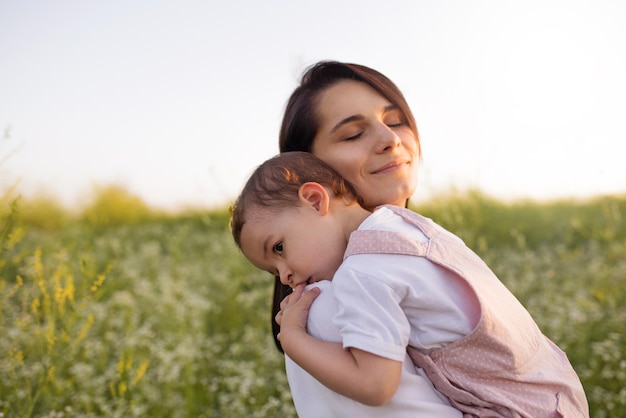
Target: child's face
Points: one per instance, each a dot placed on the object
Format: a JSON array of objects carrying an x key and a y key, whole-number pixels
[
  {"x": 368, "y": 141},
  {"x": 299, "y": 244}
]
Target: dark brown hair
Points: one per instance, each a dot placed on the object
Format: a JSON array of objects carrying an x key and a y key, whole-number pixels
[
  {"x": 300, "y": 120},
  {"x": 275, "y": 184}
]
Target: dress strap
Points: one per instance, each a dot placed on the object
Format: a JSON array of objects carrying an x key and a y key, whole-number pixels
[{"x": 368, "y": 241}]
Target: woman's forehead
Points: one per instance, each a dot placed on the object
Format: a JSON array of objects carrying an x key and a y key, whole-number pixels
[
  {"x": 349, "y": 94},
  {"x": 347, "y": 101}
]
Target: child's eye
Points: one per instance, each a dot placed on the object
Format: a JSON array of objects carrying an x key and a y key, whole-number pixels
[{"x": 278, "y": 248}]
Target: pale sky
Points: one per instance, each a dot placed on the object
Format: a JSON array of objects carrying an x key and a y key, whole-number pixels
[{"x": 178, "y": 101}]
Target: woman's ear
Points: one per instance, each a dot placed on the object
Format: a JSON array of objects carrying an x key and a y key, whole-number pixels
[{"x": 315, "y": 195}]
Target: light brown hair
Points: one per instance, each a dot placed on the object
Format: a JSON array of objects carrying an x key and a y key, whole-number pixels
[{"x": 275, "y": 185}]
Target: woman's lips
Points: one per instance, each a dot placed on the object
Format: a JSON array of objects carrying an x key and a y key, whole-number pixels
[{"x": 390, "y": 167}]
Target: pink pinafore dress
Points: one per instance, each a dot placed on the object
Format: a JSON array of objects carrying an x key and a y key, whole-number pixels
[{"x": 505, "y": 367}]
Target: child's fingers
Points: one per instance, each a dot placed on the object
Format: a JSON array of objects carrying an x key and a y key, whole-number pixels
[
  {"x": 299, "y": 299},
  {"x": 296, "y": 294},
  {"x": 300, "y": 293},
  {"x": 307, "y": 298}
]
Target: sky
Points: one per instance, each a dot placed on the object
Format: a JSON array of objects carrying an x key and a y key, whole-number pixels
[{"x": 178, "y": 101}]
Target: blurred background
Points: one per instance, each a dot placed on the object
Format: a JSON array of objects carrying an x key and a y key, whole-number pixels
[
  {"x": 177, "y": 102},
  {"x": 123, "y": 111}
]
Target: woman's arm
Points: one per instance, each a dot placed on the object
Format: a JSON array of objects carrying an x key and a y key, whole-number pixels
[{"x": 357, "y": 374}]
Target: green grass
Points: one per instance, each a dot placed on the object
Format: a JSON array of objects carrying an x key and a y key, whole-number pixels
[{"x": 118, "y": 310}]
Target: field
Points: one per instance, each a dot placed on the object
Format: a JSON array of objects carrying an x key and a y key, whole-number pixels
[{"x": 117, "y": 310}]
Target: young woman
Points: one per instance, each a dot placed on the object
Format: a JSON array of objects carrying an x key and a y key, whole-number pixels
[{"x": 356, "y": 120}]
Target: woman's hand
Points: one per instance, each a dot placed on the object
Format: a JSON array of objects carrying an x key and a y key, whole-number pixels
[{"x": 294, "y": 309}]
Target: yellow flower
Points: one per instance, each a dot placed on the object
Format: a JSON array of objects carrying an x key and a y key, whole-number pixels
[{"x": 140, "y": 372}]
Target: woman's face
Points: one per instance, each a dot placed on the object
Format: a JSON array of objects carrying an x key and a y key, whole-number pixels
[{"x": 368, "y": 141}]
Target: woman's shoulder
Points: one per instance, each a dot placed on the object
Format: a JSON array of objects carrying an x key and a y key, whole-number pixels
[
  {"x": 321, "y": 313},
  {"x": 397, "y": 220}
]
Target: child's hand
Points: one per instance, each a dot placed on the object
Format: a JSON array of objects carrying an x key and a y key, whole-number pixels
[{"x": 294, "y": 309}]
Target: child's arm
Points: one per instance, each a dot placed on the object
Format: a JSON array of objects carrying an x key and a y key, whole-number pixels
[{"x": 357, "y": 374}]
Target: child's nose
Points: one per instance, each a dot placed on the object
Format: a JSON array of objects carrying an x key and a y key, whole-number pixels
[{"x": 286, "y": 278}]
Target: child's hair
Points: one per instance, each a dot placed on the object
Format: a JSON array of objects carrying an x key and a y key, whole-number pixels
[{"x": 276, "y": 182}]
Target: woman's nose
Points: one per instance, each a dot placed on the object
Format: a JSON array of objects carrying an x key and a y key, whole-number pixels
[{"x": 387, "y": 138}]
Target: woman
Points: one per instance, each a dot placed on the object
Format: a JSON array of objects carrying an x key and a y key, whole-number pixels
[{"x": 356, "y": 120}]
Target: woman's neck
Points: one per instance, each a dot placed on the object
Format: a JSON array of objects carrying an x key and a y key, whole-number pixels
[{"x": 350, "y": 216}]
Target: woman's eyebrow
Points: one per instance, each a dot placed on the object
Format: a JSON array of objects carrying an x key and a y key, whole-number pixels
[
  {"x": 391, "y": 107},
  {"x": 355, "y": 118},
  {"x": 345, "y": 121}
]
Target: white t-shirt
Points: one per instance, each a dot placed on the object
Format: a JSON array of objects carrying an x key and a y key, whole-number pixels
[
  {"x": 389, "y": 301},
  {"x": 415, "y": 396},
  {"x": 381, "y": 303}
]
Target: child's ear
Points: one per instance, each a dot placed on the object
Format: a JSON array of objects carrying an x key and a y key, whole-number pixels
[{"x": 315, "y": 195}]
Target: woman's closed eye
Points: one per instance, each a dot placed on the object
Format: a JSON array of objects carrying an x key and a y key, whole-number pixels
[
  {"x": 395, "y": 118},
  {"x": 395, "y": 122},
  {"x": 353, "y": 137}
]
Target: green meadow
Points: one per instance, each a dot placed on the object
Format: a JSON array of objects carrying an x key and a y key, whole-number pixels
[{"x": 118, "y": 310}]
